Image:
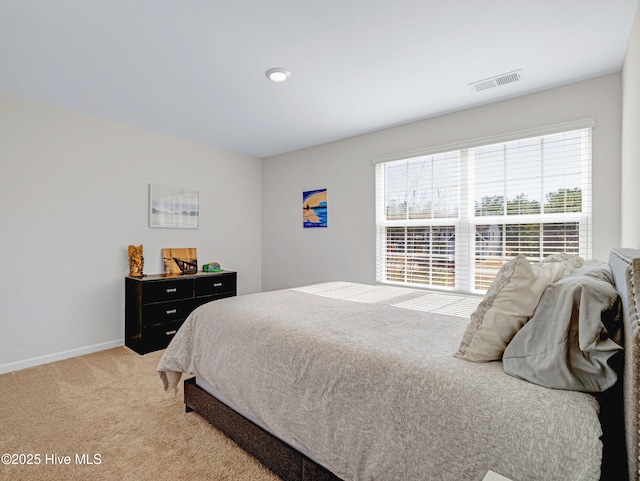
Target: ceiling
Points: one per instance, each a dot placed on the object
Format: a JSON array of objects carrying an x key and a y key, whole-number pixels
[{"x": 196, "y": 68}]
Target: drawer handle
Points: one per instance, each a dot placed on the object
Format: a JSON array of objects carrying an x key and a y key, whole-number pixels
[
  {"x": 173, "y": 289},
  {"x": 171, "y": 333},
  {"x": 172, "y": 311},
  {"x": 217, "y": 284}
]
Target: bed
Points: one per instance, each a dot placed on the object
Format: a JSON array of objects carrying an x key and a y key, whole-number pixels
[{"x": 345, "y": 381}]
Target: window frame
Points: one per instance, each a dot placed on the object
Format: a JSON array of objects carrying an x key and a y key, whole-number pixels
[{"x": 466, "y": 222}]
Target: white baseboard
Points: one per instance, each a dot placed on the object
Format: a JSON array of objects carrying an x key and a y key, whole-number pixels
[{"x": 59, "y": 356}]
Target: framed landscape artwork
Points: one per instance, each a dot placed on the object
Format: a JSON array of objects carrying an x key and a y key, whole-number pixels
[
  {"x": 173, "y": 207},
  {"x": 314, "y": 208},
  {"x": 183, "y": 260}
]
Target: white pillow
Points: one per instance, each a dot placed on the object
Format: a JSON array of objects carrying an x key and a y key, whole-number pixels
[{"x": 510, "y": 301}]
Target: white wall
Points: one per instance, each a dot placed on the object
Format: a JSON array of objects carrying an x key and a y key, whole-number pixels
[
  {"x": 631, "y": 139},
  {"x": 74, "y": 195},
  {"x": 345, "y": 250}
]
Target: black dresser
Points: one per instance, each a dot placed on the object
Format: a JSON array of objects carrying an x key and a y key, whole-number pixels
[{"x": 157, "y": 305}]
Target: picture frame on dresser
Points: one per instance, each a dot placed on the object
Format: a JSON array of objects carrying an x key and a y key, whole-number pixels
[{"x": 157, "y": 305}]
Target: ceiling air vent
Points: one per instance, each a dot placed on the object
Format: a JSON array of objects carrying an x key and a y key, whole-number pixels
[{"x": 497, "y": 81}]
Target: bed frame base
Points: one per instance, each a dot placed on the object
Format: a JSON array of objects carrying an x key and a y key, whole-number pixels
[{"x": 284, "y": 461}]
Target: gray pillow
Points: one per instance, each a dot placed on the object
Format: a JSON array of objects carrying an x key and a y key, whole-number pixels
[
  {"x": 509, "y": 302},
  {"x": 570, "y": 341}
]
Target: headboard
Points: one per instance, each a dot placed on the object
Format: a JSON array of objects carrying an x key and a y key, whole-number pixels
[{"x": 625, "y": 264}]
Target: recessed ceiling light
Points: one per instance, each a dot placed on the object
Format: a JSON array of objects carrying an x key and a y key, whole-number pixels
[{"x": 278, "y": 74}]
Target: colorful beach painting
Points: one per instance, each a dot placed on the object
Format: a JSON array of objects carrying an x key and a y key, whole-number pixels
[{"x": 314, "y": 208}]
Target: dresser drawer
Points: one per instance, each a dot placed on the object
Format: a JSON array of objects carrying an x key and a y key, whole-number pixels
[
  {"x": 158, "y": 337},
  {"x": 199, "y": 301},
  {"x": 214, "y": 285},
  {"x": 167, "y": 290},
  {"x": 164, "y": 312}
]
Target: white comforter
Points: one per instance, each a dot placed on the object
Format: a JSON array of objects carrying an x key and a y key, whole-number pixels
[{"x": 363, "y": 380}]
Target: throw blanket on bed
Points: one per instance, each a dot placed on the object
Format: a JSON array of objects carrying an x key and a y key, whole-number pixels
[{"x": 363, "y": 380}]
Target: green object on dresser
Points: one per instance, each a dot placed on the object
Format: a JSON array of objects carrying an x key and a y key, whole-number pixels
[{"x": 211, "y": 267}]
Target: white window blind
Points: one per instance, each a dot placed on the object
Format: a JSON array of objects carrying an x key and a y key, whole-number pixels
[{"x": 451, "y": 219}]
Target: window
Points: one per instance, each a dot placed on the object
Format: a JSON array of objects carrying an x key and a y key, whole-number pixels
[{"x": 451, "y": 219}]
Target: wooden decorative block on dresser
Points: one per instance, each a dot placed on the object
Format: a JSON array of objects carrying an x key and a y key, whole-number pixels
[{"x": 157, "y": 305}]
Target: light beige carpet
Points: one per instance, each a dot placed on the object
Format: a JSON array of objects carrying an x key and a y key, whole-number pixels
[{"x": 109, "y": 408}]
